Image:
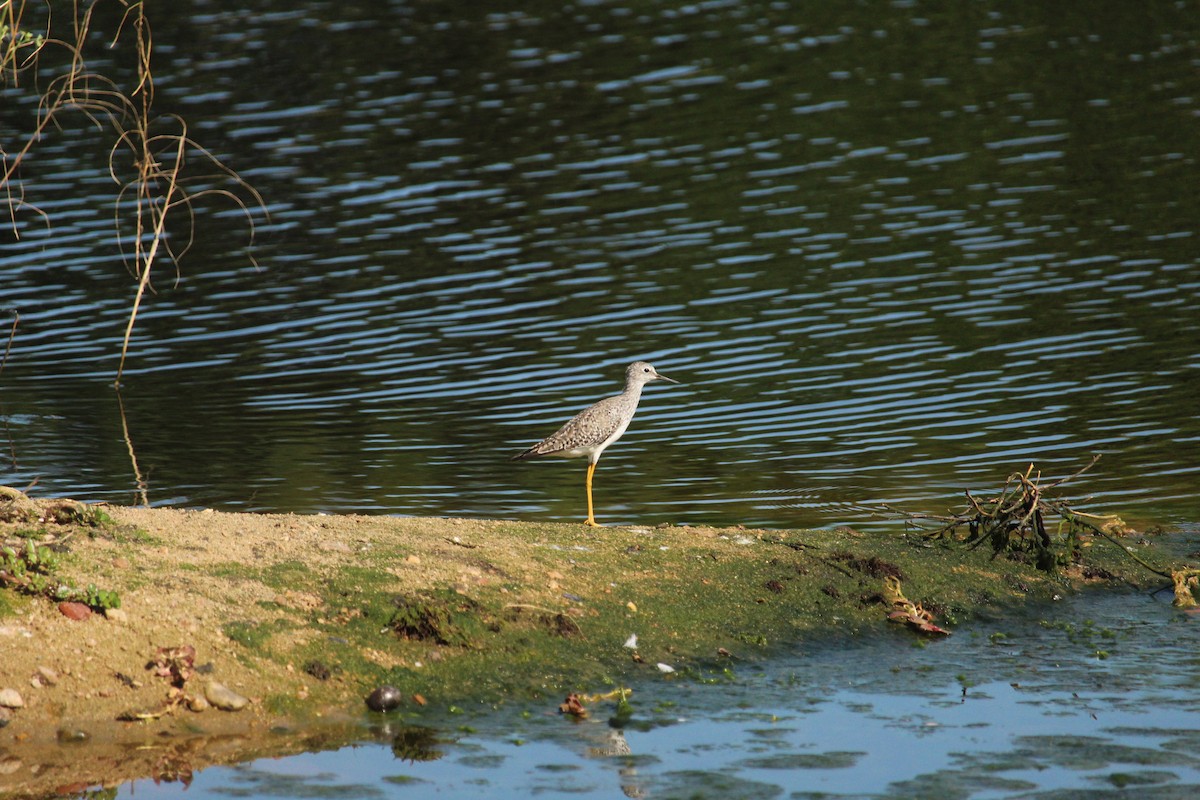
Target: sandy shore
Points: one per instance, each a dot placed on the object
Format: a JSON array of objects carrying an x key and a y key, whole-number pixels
[{"x": 305, "y": 615}]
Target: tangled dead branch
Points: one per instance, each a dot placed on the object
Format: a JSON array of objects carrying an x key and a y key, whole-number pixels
[{"x": 1024, "y": 520}]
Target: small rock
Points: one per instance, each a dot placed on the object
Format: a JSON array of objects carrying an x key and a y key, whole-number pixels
[
  {"x": 385, "y": 698},
  {"x": 5, "y": 718},
  {"x": 121, "y": 563},
  {"x": 11, "y": 698},
  {"x": 75, "y": 611},
  {"x": 116, "y": 615},
  {"x": 9, "y": 764},
  {"x": 224, "y": 698},
  {"x": 48, "y": 676},
  {"x": 198, "y": 704}
]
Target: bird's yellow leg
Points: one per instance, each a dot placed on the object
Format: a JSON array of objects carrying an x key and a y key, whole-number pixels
[{"x": 591, "y": 520}]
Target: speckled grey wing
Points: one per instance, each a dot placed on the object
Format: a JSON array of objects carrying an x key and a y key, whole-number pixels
[{"x": 587, "y": 428}]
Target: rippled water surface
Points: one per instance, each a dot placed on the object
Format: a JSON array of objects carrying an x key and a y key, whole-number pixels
[{"x": 892, "y": 251}]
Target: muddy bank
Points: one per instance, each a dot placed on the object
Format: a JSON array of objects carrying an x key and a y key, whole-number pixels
[{"x": 305, "y": 615}]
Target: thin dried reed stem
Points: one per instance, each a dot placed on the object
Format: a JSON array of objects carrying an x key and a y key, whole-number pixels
[{"x": 159, "y": 184}]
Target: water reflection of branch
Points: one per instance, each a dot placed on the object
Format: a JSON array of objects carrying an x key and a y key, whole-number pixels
[
  {"x": 142, "y": 492},
  {"x": 12, "y": 446},
  {"x": 12, "y": 334}
]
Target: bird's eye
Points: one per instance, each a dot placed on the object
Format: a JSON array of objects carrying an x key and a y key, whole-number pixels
[{"x": 645, "y": 369}]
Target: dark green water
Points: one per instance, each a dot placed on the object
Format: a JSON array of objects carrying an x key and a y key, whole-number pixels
[{"x": 894, "y": 250}]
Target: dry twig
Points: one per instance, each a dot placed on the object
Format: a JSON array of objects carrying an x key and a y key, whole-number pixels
[
  {"x": 1020, "y": 520},
  {"x": 159, "y": 183}
]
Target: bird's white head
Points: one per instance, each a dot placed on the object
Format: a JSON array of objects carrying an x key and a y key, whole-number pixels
[{"x": 640, "y": 373}]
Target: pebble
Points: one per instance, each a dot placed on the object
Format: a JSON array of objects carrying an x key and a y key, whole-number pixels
[
  {"x": 198, "y": 704},
  {"x": 75, "y": 611},
  {"x": 223, "y": 697},
  {"x": 9, "y": 764},
  {"x": 11, "y": 698},
  {"x": 5, "y": 718},
  {"x": 385, "y": 698},
  {"x": 116, "y": 615},
  {"x": 48, "y": 676}
]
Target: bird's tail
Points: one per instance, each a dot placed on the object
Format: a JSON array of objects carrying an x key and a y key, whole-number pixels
[{"x": 526, "y": 454}]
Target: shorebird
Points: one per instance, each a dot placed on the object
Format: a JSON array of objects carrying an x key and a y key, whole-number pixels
[{"x": 592, "y": 430}]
